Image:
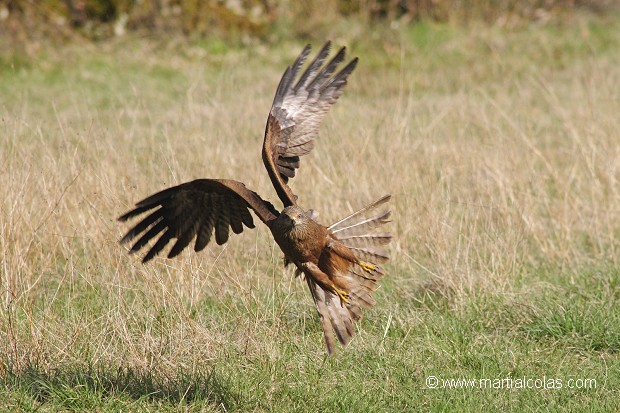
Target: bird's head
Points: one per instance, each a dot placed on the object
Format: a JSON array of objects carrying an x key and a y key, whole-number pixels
[{"x": 294, "y": 216}]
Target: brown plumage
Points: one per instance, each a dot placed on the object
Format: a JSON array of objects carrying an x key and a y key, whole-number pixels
[{"x": 340, "y": 262}]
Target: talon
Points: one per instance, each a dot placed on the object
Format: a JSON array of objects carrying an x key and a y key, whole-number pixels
[
  {"x": 344, "y": 296},
  {"x": 368, "y": 267}
]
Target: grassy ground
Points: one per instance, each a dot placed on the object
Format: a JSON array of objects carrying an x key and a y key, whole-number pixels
[{"x": 501, "y": 149}]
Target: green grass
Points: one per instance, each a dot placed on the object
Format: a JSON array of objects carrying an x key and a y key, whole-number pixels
[
  {"x": 503, "y": 161},
  {"x": 567, "y": 334}
]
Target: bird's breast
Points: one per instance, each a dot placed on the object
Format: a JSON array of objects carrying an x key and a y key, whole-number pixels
[{"x": 301, "y": 243}]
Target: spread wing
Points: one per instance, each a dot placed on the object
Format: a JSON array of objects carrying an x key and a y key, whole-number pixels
[
  {"x": 296, "y": 114},
  {"x": 195, "y": 209}
]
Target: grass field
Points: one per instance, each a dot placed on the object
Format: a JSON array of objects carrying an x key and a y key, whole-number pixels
[{"x": 500, "y": 148}]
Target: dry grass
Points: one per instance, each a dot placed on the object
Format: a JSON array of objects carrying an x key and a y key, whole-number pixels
[{"x": 501, "y": 150}]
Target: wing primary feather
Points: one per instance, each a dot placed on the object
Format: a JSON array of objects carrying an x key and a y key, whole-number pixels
[
  {"x": 204, "y": 233},
  {"x": 281, "y": 90},
  {"x": 290, "y": 73},
  {"x": 159, "y": 245},
  {"x": 246, "y": 218},
  {"x": 141, "y": 226},
  {"x": 183, "y": 240},
  {"x": 160, "y": 196},
  {"x": 235, "y": 217},
  {"x": 338, "y": 81},
  {"x": 327, "y": 71},
  {"x": 134, "y": 212},
  {"x": 221, "y": 227},
  {"x": 314, "y": 66},
  {"x": 150, "y": 234}
]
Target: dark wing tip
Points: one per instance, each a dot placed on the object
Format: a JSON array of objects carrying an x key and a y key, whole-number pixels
[
  {"x": 341, "y": 53},
  {"x": 348, "y": 69},
  {"x": 132, "y": 213},
  {"x": 126, "y": 238},
  {"x": 326, "y": 47}
]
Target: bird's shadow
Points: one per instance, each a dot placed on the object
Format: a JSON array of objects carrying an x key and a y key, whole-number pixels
[{"x": 106, "y": 382}]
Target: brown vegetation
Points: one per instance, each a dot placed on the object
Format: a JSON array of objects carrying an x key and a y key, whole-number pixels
[{"x": 104, "y": 18}]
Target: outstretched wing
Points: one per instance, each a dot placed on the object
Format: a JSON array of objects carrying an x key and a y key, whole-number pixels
[
  {"x": 296, "y": 114},
  {"x": 195, "y": 209}
]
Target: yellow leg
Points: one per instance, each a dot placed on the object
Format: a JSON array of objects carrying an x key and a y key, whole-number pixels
[
  {"x": 344, "y": 296},
  {"x": 368, "y": 267},
  {"x": 313, "y": 271}
]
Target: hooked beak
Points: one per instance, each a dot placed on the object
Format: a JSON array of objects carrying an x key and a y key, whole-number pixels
[{"x": 294, "y": 220}]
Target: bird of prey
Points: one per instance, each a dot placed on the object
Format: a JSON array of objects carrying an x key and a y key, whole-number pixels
[{"x": 340, "y": 262}]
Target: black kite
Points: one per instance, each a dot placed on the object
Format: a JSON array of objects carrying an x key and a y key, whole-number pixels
[{"x": 340, "y": 262}]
